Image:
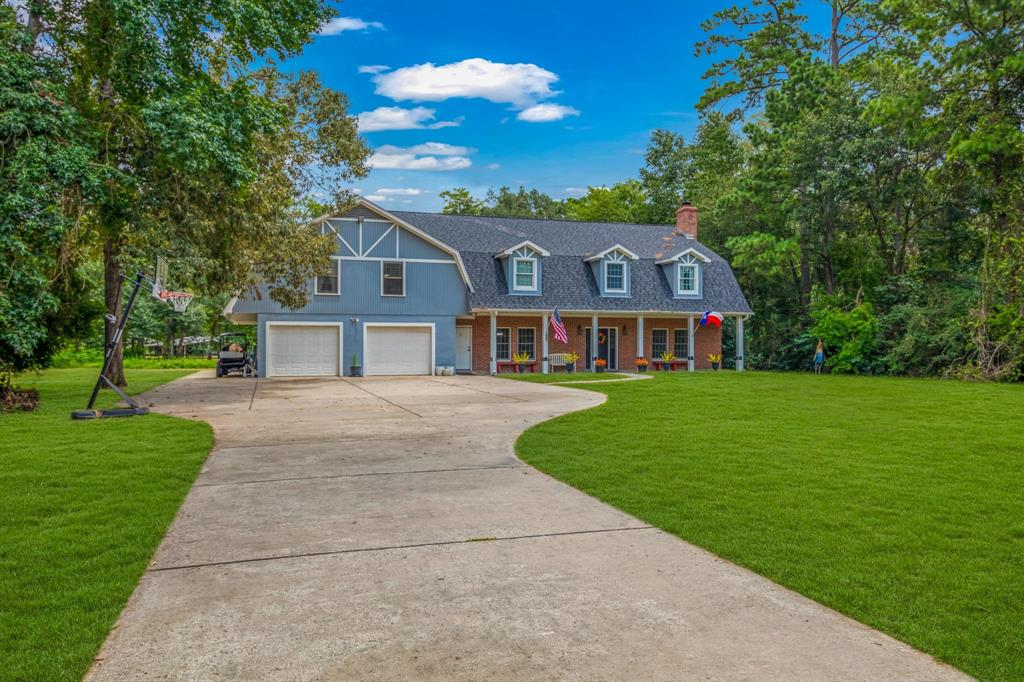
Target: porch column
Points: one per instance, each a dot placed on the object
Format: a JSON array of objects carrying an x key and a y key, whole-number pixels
[
  {"x": 544, "y": 344},
  {"x": 494, "y": 341},
  {"x": 640, "y": 342},
  {"x": 739, "y": 343},
  {"x": 689, "y": 344},
  {"x": 593, "y": 343}
]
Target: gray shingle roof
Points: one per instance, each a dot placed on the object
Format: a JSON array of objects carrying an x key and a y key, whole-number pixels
[{"x": 568, "y": 282}]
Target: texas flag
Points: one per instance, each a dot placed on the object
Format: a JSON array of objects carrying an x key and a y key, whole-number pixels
[{"x": 711, "y": 318}]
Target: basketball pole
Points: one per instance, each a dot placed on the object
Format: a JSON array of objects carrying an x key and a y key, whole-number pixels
[{"x": 135, "y": 409}]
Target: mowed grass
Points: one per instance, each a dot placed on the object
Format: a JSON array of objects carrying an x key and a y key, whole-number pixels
[
  {"x": 561, "y": 377},
  {"x": 897, "y": 502},
  {"x": 83, "y": 506}
]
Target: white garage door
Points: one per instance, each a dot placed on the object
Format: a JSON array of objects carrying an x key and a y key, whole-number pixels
[
  {"x": 303, "y": 350},
  {"x": 398, "y": 350}
]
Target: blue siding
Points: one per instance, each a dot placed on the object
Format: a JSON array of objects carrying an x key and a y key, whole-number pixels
[
  {"x": 671, "y": 273},
  {"x": 430, "y": 289},
  {"x": 510, "y": 275},
  {"x": 444, "y": 334}
]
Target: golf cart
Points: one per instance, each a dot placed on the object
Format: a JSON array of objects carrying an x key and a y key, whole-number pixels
[{"x": 233, "y": 355}]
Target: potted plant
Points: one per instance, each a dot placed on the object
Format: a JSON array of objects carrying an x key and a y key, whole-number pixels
[
  {"x": 715, "y": 359},
  {"x": 570, "y": 362},
  {"x": 641, "y": 364},
  {"x": 599, "y": 365},
  {"x": 354, "y": 369},
  {"x": 521, "y": 359},
  {"x": 667, "y": 358}
]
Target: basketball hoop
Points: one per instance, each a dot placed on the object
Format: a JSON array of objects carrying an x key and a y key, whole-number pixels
[{"x": 179, "y": 300}]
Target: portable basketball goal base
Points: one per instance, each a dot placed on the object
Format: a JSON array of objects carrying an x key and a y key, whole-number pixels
[{"x": 179, "y": 300}]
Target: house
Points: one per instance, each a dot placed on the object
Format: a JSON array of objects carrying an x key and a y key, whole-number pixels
[{"x": 408, "y": 292}]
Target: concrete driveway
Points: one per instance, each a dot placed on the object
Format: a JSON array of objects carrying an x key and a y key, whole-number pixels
[{"x": 383, "y": 529}]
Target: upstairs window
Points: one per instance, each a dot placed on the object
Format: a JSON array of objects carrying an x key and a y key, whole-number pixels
[
  {"x": 615, "y": 277},
  {"x": 392, "y": 278},
  {"x": 525, "y": 274},
  {"x": 687, "y": 278},
  {"x": 329, "y": 283}
]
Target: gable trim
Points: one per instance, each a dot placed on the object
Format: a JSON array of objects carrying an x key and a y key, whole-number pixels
[
  {"x": 454, "y": 253},
  {"x": 618, "y": 247},
  {"x": 688, "y": 252},
  {"x": 512, "y": 249}
]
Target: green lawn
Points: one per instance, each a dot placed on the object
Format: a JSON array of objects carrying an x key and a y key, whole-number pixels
[
  {"x": 898, "y": 502},
  {"x": 82, "y": 509},
  {"x": 561, "y": 377}
]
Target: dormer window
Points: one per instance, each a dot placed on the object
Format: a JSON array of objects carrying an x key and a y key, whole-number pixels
[
  {"x": 687, "y": 279},
  {"x": 525, "y": 269},
  {"x": 615, "y": 277}
]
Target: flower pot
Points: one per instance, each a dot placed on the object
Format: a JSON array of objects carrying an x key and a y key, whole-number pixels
[
  {"x": 666, "y": 367},
  {"x": 570, "y": 367},
  {"x": 599, "y": 370},
  {"x": 641, "y": 368},
  {"x": 355, "y": 371},
  {"x": 521, "y": 369},
  {"x": 714, "y": 366}
]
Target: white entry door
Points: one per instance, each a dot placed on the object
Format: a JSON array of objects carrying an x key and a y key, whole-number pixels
[
  {"x": 464, "y": 348},
  {"x": 303, "y": 350},
  {"x": 399, "y": 350}
]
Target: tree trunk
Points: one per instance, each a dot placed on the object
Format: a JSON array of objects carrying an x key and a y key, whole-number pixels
[
  {"x": 112, "y": 301},
  {"x": 833, "y": 42}
]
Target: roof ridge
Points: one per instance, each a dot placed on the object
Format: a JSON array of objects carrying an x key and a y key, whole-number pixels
[{"x": 550, "y": 220}]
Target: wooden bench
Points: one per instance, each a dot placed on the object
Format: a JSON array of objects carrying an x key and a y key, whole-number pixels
[{"x": 556, "y": 360}]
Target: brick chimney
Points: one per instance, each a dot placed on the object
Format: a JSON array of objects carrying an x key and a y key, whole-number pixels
[{"x": 686, "y": 219}]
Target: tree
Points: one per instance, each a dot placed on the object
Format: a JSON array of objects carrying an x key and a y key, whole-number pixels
[
  {"x": 183, "y": 125},
  {"x": 523, "y": 203},
  {"x": 623, "y": 202},
  {"x": 44, "y": 175},
  {"x": 665, "y": 174}
]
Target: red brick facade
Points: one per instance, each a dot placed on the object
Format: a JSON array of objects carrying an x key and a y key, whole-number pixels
[{"x": 706, "y": 339}]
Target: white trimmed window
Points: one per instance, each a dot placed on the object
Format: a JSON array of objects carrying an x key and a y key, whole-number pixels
[
  {"x": 329, "y": 283},
  {"x": 526, "y": 341},
  {"x": 681, "y": 343},
  {"x": 659, "y": 342},
  {"x": 502, "y": 344},
  {"x": 525, "y": 273},
  {"x": 687, "y": 278},
  {"x": 392, "y": 278},
  {"x": 615, "y": 277}
]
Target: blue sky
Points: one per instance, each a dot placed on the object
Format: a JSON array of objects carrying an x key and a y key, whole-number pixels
[{"x": 553, "y": 95}]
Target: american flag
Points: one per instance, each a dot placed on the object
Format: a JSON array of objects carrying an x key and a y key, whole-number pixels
[{"x": 558, "y": 327}]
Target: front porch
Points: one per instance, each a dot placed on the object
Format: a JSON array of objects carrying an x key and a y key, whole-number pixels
[{"x": 488, "y": 341}]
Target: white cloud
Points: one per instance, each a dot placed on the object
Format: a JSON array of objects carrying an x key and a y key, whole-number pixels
[
  {"x": 397, "y": 118},
  {"x": 521, "y": 85},
  {"x": 493, "y": 166},
  {"x": 400, "y": 191},
  {"x": 414, "y": 162},
  {"x": 376, "y": 197},
  {"x": 545, "y": 113},
  {"x": 341, "y": 24},
  {"x": 436, "y": 148},
  {"x": 575, "y": 190},
  {"x": 373, "y": 68}
]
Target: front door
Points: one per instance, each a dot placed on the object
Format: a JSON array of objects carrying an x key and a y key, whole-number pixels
[
  {"x": 464, "y": 348},
  {"x": 607, "y": 346}
]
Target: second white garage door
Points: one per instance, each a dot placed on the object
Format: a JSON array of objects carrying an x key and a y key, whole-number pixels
[
  {"x": 303, "y": 350},
  {"x": 399, "y": 350}
]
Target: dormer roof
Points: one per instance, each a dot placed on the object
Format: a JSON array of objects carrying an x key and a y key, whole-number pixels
[
  {"x": 521, "y": 245},
  {"x": 618, "y": 247},
  {"x": 686, "y": 252}
]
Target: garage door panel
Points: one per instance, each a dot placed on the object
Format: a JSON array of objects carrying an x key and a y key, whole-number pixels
[
  {"x": 394, "y": 351},
  {"x": 304, "y": 350}
]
